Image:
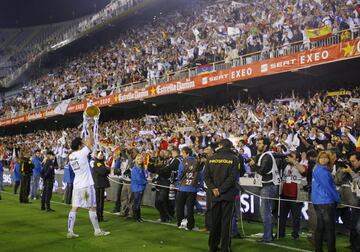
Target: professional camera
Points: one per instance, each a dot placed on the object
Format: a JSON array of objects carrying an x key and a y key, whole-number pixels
[
  {"x": 343, "y": 163},
  {"x": 117, "y": 172},
  {"x": 153, "y": 160},
  {"x": 155, "y": 182},
  {"x": 172, "y": 193}
]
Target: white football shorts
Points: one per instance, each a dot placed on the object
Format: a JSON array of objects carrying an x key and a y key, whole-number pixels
[{"x": 84, "y": 197}]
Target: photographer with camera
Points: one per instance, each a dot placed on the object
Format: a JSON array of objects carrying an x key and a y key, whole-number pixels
[
  {"x": 292, "y": 177},
  {"x": 311, "y": 162},
  {"x": 354, "y": 171},
  {"x": 188, "y": 183},
  {"x": 265, "y": 165},
  {"x": 165, "y": 168},
  {"x": 343, "y": 181}
]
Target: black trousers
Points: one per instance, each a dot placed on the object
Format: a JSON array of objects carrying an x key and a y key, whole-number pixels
[
  {"x": 162, "y": 203},
  {"x": 68, "y": 193},
  {"x": 208, "y": 210},
  {"x": 100, "y": 198},
  {"x": 137, "y": 205},
  {"x": 355, "y": 229},
  {"x": 221, "y": 217},
  {"x": 47, "y": 193},
  {"x": 117, "y": 207},
  {"x": 325, "y": 226},
  {"x": 16, "y": 186},
  {"x": 185, "y": 199},
  {"x": 25, "y": 188},
  {"x": 295, "y": 209},
  {"x": 345, "y": 215}
]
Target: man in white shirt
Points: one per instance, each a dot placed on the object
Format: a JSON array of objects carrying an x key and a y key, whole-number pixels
[{"x": 83, "y": 192}]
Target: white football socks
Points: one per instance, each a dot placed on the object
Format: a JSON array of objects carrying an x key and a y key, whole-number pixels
[
  {"x": 71, "y": 221},
  {"x": 94, "y": 221}
]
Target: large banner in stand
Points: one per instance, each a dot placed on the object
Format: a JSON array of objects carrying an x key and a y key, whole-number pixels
[{"x": 304, "y": 59}]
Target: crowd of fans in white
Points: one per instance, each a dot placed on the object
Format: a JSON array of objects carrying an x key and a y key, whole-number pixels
[
  {"x": 318, "y": 122},
  {"x": 202, "y": 32}
]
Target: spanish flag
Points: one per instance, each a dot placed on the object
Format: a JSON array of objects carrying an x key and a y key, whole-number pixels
[
  {"x": 318, "y": 33},
  {"x": 204, "y": 69}
]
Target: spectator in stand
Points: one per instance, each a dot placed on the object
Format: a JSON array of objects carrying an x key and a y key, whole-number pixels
[{"x": 201, "y": 33}]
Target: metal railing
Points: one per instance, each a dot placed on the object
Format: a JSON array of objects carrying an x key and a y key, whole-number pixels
[{"x": 221, "y": 65}]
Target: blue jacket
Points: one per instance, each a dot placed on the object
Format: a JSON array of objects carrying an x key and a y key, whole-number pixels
[
  {"x": 69, "y": 174},
  {"x": 323, "y": 187},
  {"x": 180, "y": 175},
  {"x": 16, "y": 174},
  {"x": 138, "y": 179},
  {"x": 117, "y": 164},
  {"x": 37, "y": 166}
]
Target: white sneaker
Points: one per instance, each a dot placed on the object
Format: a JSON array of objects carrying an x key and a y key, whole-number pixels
[
  {"x": 101, "y": 233},
  {"x": 72, "y": 235}
]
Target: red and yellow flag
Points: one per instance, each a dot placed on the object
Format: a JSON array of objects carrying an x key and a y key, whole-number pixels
[{"x": 318, "y": 33}]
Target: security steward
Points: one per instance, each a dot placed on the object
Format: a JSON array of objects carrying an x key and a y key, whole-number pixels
[
  {"x": 26, "y": 170},
  {"x": 221, "y": 173},
  {"x": 101, "y": 181},
  {"x": 48, "y": 176}
]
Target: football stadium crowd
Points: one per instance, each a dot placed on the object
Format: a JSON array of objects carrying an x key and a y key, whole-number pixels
[
  {"x": 296, "y": 129},
  {"x": 305, "y": 146},
  {"x": 205, "y": 32}
]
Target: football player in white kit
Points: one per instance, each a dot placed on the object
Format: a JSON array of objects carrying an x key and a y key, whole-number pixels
[{"x": 83, "y": 192}]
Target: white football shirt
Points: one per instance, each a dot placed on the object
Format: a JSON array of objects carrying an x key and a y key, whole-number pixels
[{"x": 80, "y": 165}]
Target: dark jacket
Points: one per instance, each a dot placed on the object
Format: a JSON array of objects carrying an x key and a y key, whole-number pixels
[
  {"x": 26, "y": 167},
  {"x": 266, "y": 165},
  {"x": 188, "y": 176},
  {"x": 164, "y": 170},
  {"x": 264, "y": 168},
  {"x": 48, "y": 171},
  {"x": 221, "y": 172},
  {"x": 100, "y": 173}
]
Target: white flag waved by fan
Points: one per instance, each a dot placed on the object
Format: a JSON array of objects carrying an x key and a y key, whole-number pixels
[{"x": 62, "y": 107}]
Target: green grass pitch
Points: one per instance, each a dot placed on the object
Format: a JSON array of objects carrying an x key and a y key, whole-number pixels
[{"x": 25, "y": 228}]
